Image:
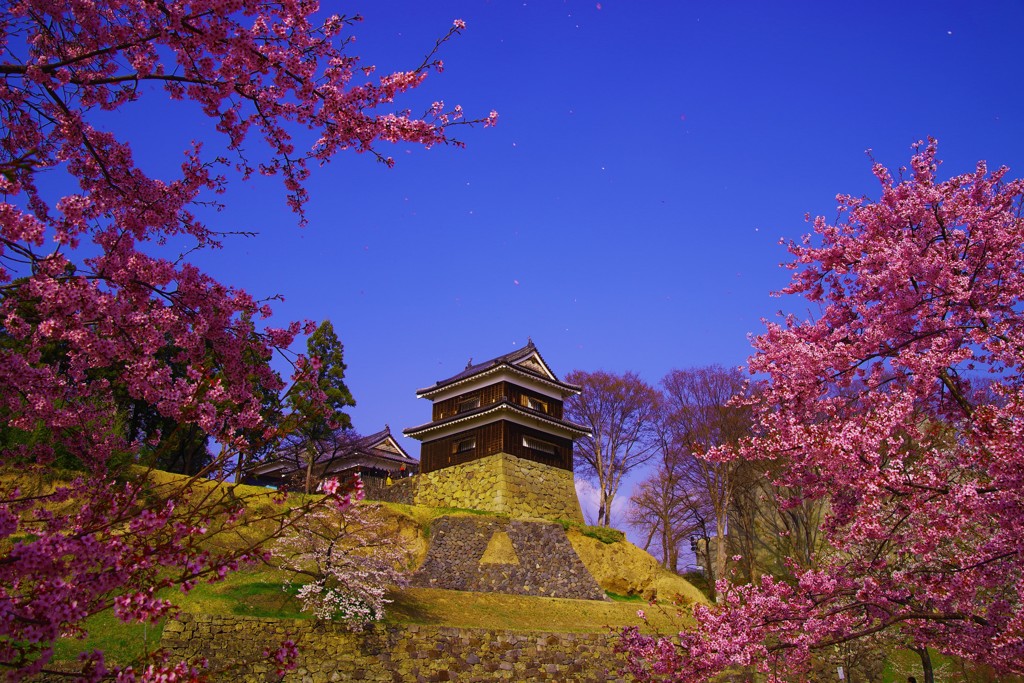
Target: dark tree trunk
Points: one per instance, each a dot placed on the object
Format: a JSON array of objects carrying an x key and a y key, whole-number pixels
[{"x": 926, "y": 664}]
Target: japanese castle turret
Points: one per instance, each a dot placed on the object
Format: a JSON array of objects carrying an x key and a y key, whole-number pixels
[{"x": 498, "y": 440}]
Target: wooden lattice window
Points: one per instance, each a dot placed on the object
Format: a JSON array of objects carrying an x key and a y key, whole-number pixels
[
  {"x": 467, "y": 404},
  {"x": 541, "y": 446},
  {"x": 535, "y": 403},
  {"x": 464, "y": 446}
]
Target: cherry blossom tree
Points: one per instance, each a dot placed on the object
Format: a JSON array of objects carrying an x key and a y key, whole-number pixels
[
  {"x": 901, "y": 404},
  {"x": 345, "y": 559},
  {"x": 98, "y": 301}
]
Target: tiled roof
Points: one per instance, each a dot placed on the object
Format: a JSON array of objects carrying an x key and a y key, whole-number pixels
[
  {"x": 367, "y": 442},
  {"x": 510, "y": 359},
  {"x": 289, "y": 458},
  {"x": 500, "y": 405}
]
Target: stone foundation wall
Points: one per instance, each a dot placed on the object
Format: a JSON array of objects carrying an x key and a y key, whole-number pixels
[
  {"x": 234, "y": 648},
  {"x": 504, "y": 556},
  {"x": 401, "y": 491},
  {"x": 501, "y": 483}
]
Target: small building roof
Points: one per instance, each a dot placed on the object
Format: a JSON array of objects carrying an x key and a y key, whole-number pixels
[
  {"x": 378, "y": 448},
  {"x": 382, "y": 445}
]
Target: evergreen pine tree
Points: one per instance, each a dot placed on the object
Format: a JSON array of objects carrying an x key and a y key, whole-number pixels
[
  {"x": 320, "y": 430},
  {"x": 325, "y": 345}
]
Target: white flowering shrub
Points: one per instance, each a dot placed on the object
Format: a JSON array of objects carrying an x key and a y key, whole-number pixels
[{"x": 345, "y": 561}]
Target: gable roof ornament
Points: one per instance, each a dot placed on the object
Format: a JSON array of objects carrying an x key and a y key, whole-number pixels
[
  {"x": 526, "y": 360},
  {"x": 380, "y": 446}
]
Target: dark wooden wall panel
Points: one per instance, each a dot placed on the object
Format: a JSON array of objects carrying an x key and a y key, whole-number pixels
[
  {"x": 496, "y": 437},
  {"x": 440, "y": 453},
  {"x": 514, "y": 434},
  {"x": 488, "y": 395},
  {"x": 515, "y": 394},
  {"x": 495, "y": 393}
]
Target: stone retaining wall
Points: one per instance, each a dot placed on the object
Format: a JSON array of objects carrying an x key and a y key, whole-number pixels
[
  {"x": 498, "y": 483},
  {"x": 401, "y": 491},
  {"x": 234, "y": 648},
  {"x": 504, "y": 556}
]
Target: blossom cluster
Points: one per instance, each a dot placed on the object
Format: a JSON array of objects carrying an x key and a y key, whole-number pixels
[
  {"x": 345, "y": 561},
  {"x": 104, "y": 319},
  {"x": 901, "y": 407}
]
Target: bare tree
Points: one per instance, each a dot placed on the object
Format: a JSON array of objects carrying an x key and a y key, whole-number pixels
[
  {"x": 656, "y": 508},
  {"x": 773, "y": 528},
  {"x": 749, "y": 507},
  {"x": 312, "y": 457},
  {"x": 700, "y": 418},
  {"x": 620, "y": 411},
  {"x": 661, "y": 505}
]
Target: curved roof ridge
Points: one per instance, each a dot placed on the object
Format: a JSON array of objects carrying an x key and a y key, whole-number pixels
[
  {"x": 503, "y": 404},
  {"x": 512, "y": 359}
]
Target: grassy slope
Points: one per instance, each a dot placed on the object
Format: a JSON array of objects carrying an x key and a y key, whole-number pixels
[
  {"x": 260, "y": 591},
  {"x": 621, "y": 567},
  {"x": 522, "y": 613}
]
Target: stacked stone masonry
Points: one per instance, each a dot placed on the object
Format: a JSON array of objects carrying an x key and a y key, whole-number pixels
[
  {"x": 401, "y": 491},
  {"x": 499, "y": 483},
  {"x": 473, "y": 554},
  {"x": 235, "y": 646}
]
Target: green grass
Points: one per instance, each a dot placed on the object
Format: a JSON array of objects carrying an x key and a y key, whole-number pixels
[
  {"x": 624, "y": 598},
  {"x": 256, "y": 592},
  {"x": 947, "y": 669},
  {"x": 424, "y": 516},
  {"x": 605, "y": 534},
  {"x": 264, "y": 592},
  {"x": 429, "y": 606},
  {"x": 265, "y": 600},
  {"x": 261, "y": 593},
  {"x": 700, "y": 582},
  {"x": 121, "y": 643}
]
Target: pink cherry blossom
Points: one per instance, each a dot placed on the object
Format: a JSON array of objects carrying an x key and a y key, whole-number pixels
[
  {"x": 901, "y": 405},
  {"x": 344, "y": 562},
  {"x": 102, "y": 313}
]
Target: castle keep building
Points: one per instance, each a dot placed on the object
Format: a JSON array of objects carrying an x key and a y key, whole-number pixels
[
  {"x": 511, "y": 404},
  {"x": 498, "y": 441}
]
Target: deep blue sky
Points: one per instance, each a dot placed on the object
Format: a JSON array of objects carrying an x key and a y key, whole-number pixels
[{"x": 627, "y": 209}]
